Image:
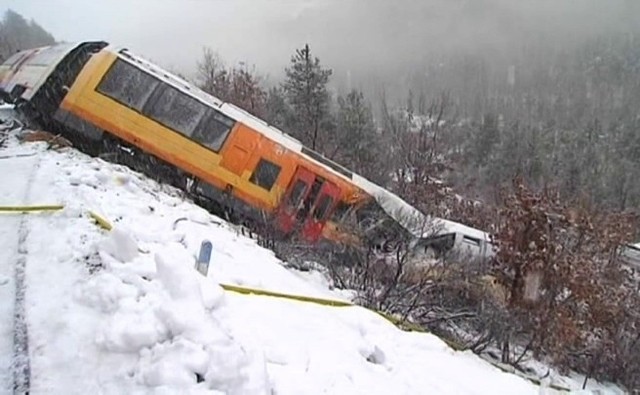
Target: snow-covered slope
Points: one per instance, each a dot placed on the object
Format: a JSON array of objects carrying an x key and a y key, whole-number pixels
[{"x": 125, "y": 312}]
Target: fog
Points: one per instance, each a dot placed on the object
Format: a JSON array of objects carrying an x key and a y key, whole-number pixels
[{"x": 363, "y": 41}]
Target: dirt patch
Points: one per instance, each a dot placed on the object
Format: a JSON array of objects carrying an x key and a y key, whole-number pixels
[{"x": 54, "y": 141}]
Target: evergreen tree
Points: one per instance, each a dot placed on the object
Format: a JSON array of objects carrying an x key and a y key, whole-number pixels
[
  {"x": 306, "y": 89},
  {"x": 357, "y": 139},
  {"x": 277, "y": 111}
]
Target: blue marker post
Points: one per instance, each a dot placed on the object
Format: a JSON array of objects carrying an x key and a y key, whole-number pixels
[{"x": 202, "y": 264}]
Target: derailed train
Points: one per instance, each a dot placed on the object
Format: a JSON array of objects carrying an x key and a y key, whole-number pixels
[{"x": 105, "y": 98}]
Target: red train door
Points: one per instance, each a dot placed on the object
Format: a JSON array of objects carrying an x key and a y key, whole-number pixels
[
  {"x": 307, "y": 204},
  {"x": 327, "y": 199},
  {"x": 293, "y": 200}
]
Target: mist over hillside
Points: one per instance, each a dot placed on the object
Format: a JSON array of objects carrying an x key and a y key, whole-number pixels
[{"x": 369, "y": 44}]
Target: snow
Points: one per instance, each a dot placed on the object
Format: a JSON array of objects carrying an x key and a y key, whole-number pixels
[
  {"x": 402, "y": 212},
  {"x": 446, "y": 226},
  {"x": 126, "y": 312}
]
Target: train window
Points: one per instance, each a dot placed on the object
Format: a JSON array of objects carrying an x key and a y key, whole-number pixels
[
  {"x": 128, "y": 85},
  {"x": 471, "y": 240},
  {"x": 213, "y": 130},
  {"x": 265, "y": 174},
  {"x": 322, "y": 207},
  {"x": 297, "y": 192},
  {"x": 176, "y": 110}
]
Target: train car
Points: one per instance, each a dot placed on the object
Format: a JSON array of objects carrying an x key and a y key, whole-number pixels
[
  {"x": 19, "y": 80},
  {"x": 106, "y": 96},
  {"x": 429, "y": 237}
]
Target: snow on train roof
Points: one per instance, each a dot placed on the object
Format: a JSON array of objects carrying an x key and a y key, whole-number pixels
[
  {"x": 166, "y": 76},
  {"x": 412, "y": 219},
  {"x": 258, "y": 124},
  {"x": 400, "y": 211}
]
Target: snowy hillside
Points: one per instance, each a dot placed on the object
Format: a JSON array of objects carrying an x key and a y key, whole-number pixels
[{"x": 125, "y": 312}]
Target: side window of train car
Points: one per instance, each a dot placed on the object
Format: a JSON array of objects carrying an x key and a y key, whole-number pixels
[
  {"x": 213, "y": 130},
  {"x": 265, "y": 174},
  {"x": 175, "y": 110},
  {"x": 128, "y": 85},
  {"x": 471, "y": 240}
]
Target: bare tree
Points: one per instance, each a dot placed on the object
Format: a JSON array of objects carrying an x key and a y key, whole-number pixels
[
  {"x": 239, "y": 85},
  {"x": 213, "y": 76}
]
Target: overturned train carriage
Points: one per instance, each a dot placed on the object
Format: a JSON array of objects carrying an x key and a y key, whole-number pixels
[{"x": 107, "y": 99}]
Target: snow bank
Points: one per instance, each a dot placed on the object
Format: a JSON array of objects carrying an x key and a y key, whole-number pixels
[{"x": 171, "y": 330}]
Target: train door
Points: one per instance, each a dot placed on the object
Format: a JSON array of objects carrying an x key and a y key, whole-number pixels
[
  {"x": 307, "y": 204},
  {"x": 317, "y": 217}
]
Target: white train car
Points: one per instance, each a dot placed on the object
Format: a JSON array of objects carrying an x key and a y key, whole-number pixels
[{"x": 432, "y": 237}]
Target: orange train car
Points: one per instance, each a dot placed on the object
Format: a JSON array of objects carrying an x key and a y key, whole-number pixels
[{"x": 102, "y": 93}]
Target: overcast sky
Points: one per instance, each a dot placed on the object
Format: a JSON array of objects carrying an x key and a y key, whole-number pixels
[
  {"x": 346, "y": 34},
  {"x": 175, "y": 31}
]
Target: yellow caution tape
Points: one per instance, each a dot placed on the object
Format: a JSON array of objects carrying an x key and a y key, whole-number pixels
[
  {"x": 309, "y": 299},
  {"x": 26, "y": 209},
  {"x": 103, "y": 223},
  {"x": 410, "y": 326}
]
